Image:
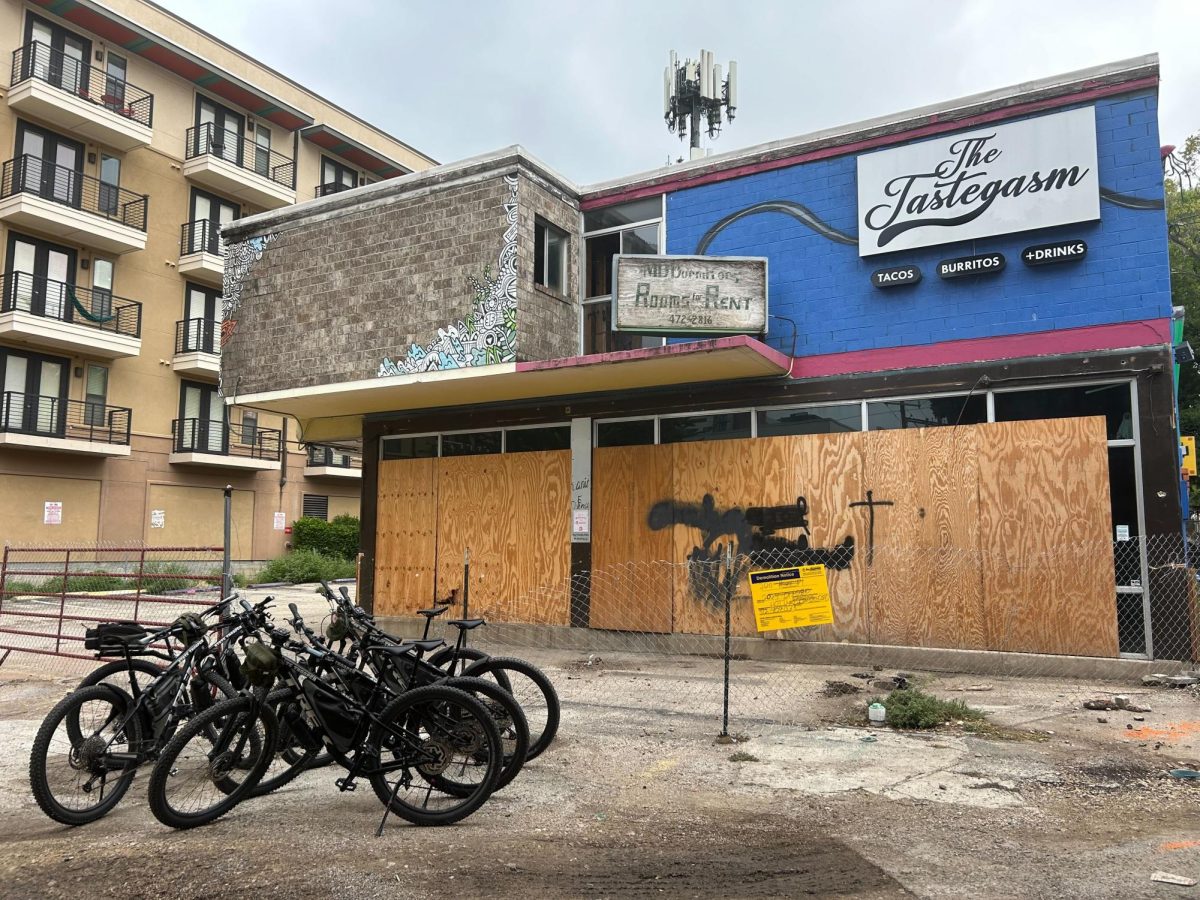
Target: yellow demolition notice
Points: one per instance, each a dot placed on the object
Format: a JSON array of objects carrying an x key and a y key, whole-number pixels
[{"x": 790, "y": 598}]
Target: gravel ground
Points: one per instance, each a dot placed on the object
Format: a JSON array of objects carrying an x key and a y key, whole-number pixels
[{"x": 637, "y": 799}]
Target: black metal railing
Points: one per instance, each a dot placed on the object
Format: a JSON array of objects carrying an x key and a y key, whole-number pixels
[
  {"x": 29, "y": 174},
  {"x": 225, "y": 439},
  {"x": 197, "y": 336},
  {"x": 90, "y": 307},
  {"x": 201, "y": 236},
  {"x": 209, "y": 140},
  {"x": 334, "y": 457},
  {"x": 80, "y": 420},
  {"x": 80, "y": 79},
  {"x": 333, "y": 187}
]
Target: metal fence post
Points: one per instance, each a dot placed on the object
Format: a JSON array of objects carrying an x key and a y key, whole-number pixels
[
  {"x": 730, "y": 585},
  {"x": 141, "y": 574},
  {"x": 466, "y": 582},
  {"x": 226, "y": 573},
  {"x": 62, "y": 600}
]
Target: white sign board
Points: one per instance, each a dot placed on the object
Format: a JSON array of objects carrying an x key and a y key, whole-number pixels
[
  {"x": 158, "y": 518},
  {"x": 52, "y": 513},
  {"x": 1035, "y": 173},
  {"x": 686, "y": 295},
  {"x": 280, "y": 521}
]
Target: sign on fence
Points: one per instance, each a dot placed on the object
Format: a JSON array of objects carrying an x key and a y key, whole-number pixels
[{"x": 790, "y": 598}]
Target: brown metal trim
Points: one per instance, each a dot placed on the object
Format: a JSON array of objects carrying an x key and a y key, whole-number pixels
[{"x": 369, "y": 507}]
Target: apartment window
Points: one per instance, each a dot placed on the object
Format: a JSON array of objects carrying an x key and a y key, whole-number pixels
[
  {"x": 335, "y": 177},
  {"x": 102, "y": 287},
  {"x": 421, "y": 447},
  {"x": 114, "y": 82},
  {"x": 550, "y": 257},
  {"x": 262, "y": 150},
  {"x": 110, "y": 185},
  {"x": 249, "y": 427},
  {"x": 96, "y": 394},
  {"x": 316, "y": 506},
  {"x": 628, "y": 228}
]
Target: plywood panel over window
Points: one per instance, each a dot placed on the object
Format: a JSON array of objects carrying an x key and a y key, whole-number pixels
[{"x": 406, "y": 541}]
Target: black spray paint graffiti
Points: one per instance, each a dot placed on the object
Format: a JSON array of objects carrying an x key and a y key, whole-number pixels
[
  {"x": 870, "y": 503},
  {"x": 755, "y": 541}
]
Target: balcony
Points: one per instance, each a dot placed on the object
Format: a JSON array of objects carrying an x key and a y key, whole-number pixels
[
  {"x": 197, "y": 348},
  {"x": 219, "y": 444},
  {"x": 202, "y": 253},
  {"x": 79, "y": 98},
  {"x": 333, "y": 187},
  {"x": 40, "y": 312},
  {"x": 69, "y": 426},
  {"x": 227, "y": 162},
  {"x": 71, "y": 206},
  {"x": 323, "y": 461}
]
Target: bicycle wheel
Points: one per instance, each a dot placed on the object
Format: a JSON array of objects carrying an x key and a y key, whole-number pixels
[
  {"x": 423, "y": 735},
  {"x": 74, "y": 780},
  {"x": 213, "y": 762},
  {"x": 532, "y": 689},
  {"x": 116, "y": 673},
  {"x": 291, "y": 755},
  {"x": 509, "y": 718},
  {"x": 462, "y": 659}
]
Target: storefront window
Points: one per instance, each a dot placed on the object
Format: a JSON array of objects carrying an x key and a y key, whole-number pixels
[
  {"x": 814, "y": 420},
  {"x": 712, "y": 427},
  {"x": 523, "y": 440},
  {"x": 473, "y": 443},
  {"x": 410, "y": 447},
  {"x": 927, "y": 412},
  {"x": 1109, "y": 400},
  {"x": 625, "y": 434}
]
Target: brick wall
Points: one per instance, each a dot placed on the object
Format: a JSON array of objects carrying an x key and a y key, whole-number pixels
[
  {"x": 547, "y": 322},
  {"x": 825, "y": 287}
]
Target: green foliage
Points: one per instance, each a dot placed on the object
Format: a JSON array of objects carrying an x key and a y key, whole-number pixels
[
  {"x": 913, "y": 708},
  {"x": 337, "y": 538},
  {"x": 159, "y": 585},
  {"x": 301, "y": 566},
  {"x": 75, "y": 584},
  {"x": 1183, "y": 231}
]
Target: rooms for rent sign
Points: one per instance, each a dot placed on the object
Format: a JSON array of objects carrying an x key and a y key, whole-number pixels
[{"x": 1035, "y": 173}]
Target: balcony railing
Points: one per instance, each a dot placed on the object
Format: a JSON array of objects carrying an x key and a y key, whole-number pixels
[
  {"x": 57, "y": 417},
  {"x": 197, "y": 336},
  {"x": 201, "y": 236},
  {"x": 80, "y": 79},
  {"x": 33, "y": 175},
  {"x": 334, "y": 457},
  {"x": 333, "y": 187},
  {"x": 225, "y": 439},
  {"x": 209, "y": 140},
  {"x": 90, "y": 307}
]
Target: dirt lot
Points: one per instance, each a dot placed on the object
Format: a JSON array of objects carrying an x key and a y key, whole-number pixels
[{"x": 636, "y": 799}]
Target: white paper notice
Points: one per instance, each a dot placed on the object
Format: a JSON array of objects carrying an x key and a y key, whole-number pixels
[
  {"x": 158, "y": 518},
  {"x": 280, "y": 521},
  {"x": 1122, "y": 532},
  {"x": 581, "y": 521},
  {"x": 52, "y": 515}
]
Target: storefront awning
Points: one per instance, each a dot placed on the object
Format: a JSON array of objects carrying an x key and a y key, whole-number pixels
[{"x": 335, "y": 411}]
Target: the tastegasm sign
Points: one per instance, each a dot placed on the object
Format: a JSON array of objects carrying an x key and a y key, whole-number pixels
[
  {"x": 690, "y": 294},
  {"x": 1036, "y": 173}
]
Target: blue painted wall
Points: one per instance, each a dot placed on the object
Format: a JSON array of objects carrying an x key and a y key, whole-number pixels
[{"x": 825, "y": 287}]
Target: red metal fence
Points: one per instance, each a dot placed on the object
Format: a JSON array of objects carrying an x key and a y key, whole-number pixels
[{"x": 50, "y": 595}]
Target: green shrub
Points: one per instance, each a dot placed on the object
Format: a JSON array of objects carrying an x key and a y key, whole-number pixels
[
  {"x": 338, "y": 537},
  {"x": 158, "y": 585},
  {"x": 302, "y": 566},
  {"x": 76, "y": 584},
  {"x": 913, "y": 708}
]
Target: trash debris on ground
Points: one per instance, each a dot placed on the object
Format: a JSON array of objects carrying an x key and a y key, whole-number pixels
[
  {"x": 1168, "y": 878},
  {"x": 868, "y": 739},
  {"x": 865, "y": 676},
  {"x": 1116, "y": 703},
  {"x": 839, "y": 689},
  {"x": 1185, "y": 774}
]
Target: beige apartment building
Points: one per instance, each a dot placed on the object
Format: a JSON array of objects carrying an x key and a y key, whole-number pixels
[{"x": 129, "y": 138}]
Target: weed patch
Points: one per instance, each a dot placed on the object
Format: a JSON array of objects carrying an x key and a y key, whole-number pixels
[{"x": 913, "y": 708}]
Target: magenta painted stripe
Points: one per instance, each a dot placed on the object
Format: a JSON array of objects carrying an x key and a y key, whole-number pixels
[
  {"x": 927, "y": 130},
  {"x": 1014, "y": 346},
  {"x": 771, "y": 355}
]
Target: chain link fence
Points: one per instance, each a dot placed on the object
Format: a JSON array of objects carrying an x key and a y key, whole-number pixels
[
  {"x": 1123, "y": 612},
  {"x": 50, "y": 595}
]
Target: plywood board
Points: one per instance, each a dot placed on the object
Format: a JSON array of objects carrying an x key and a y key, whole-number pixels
[
  {"x": 924, "y": 580},
  {"x": 406, "y": 536},
  {"x": 1045, "y": 537},
  {"x": 512, "y": 512},
  {"x": 631, "y": 583}
]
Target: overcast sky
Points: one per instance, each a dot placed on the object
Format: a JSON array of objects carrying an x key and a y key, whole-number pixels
[{"x": 579, "y": 84}]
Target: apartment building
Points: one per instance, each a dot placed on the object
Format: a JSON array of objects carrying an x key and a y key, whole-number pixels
[{"x": 129, "y": 138}]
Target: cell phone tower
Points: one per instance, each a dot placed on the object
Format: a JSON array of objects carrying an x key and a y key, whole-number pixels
[{"x": 693, "y": 95}]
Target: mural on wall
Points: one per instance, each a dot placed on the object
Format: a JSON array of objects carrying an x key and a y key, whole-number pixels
[
  {"x": 755, "y": 540},
  {"x": 240, "y": 257},
  {"x": 489, "y": 333}
]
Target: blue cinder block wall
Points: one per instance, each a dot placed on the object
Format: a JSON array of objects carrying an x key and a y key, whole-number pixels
[{"x": 825, "y": 287}]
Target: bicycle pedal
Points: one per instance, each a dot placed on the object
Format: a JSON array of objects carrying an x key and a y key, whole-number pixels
[{"x": 345, "y": 784}]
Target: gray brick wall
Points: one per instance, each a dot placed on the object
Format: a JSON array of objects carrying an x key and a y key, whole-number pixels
[{"x": 336, "y": 292}]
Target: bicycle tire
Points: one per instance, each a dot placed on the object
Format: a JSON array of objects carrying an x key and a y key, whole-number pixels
[
  {"x": 509, "y": 718},
  {"x": 468, "y": 654},
  {"x": 66, "y": 709},
  {"x": 541, "y": 733},
  {"x": 409, "y": 713},
  {"x": 103, "y": 674},
  {"x": 240, "y": 714}
]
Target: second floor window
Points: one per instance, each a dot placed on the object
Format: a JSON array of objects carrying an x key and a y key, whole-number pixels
[{"x": 549, "y": 257}]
